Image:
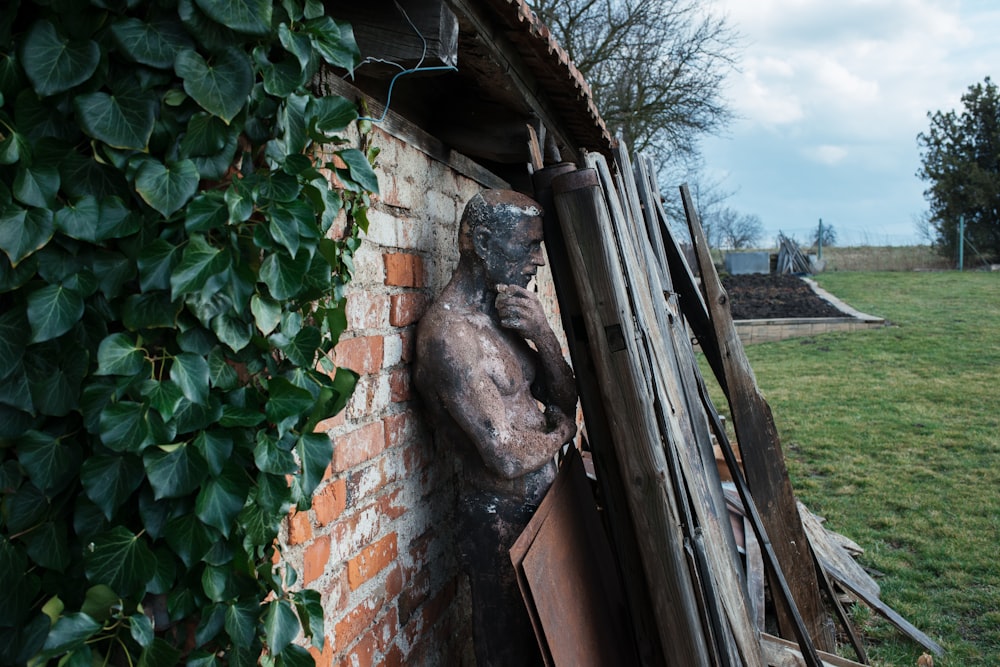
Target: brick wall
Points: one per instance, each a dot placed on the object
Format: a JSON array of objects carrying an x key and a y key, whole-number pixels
[{"x": 378, "y": 541}]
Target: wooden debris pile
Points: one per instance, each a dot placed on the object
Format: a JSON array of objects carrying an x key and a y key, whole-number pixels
[
  {"x": 791, "y": 259},
  {"x": 630, "y": 305}
]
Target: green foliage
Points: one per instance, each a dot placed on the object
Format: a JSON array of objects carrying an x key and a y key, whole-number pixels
[
  {"x": 169, "y": 294},
  {"x": 961, "y": 163}
]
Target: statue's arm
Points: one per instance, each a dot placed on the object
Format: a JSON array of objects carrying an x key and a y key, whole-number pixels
[{"x": 520, "y": 310}]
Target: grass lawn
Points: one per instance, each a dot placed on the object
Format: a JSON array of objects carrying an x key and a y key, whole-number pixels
[{"x": 893, "y": 435}]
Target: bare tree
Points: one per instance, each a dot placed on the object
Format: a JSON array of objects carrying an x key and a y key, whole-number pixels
[
  {"x": 655, "y": 67},
  {"x": 737, "y": 230}
]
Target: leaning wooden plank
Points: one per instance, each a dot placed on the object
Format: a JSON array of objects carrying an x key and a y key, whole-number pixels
[
  {"x": 832, "y": 554},
  {"x": 782, "y": 594},
  {"x": 609, "y": 478},
  {"x": 587, "y": 229},
  {"x": 885, "y": 610},
  {"x": 783, "y": 653},
  {"x": 760, "y": 447},
  {"x": 682, "y": 280},
  {"x": 687, "y": 443}
]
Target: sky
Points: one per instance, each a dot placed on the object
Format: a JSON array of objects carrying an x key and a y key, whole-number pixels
[{"x": 829, "y": 98}]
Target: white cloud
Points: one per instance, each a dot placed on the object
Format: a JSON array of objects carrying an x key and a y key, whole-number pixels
[
  {"x": 831, "y": 90},
  {"x": 826, "y": 154}
]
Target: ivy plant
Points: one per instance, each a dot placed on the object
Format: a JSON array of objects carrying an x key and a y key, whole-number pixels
[{"x": 170, "y": 291}]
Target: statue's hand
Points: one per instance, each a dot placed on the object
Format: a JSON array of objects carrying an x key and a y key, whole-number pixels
[
  {"x": 561, "y": 423},
  {"x": 520, "y": 310}
]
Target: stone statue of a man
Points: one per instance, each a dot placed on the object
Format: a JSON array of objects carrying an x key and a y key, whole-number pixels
[{"x": 502, "y": 405}]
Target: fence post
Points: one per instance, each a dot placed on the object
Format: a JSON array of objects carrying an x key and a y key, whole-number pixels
[{"x": 961, "y": 242}]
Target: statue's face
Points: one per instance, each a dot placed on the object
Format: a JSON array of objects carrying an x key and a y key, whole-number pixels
[{"x": 513, "y": 258}]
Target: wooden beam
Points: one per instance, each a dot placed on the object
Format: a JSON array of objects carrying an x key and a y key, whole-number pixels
[
  {"x": 760, "y": 447},
  {"x": 399, "y": 127},
  {"x": 519, "y": 75}
]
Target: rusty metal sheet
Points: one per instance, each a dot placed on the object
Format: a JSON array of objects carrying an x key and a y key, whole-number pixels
[{"x": 566, "y": 566}]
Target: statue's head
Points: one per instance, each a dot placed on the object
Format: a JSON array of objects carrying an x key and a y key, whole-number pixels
[{"x": 503, "y": 230}]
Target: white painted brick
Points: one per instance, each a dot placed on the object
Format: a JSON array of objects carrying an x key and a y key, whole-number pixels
[{"x": 392, "y": 351}]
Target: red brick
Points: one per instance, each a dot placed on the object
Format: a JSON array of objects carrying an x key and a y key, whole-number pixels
[
  {"x": 393, "y": 658},
  {"x": 356, "y": 621},
  {"x": 366, "y": 310},
  {"x": 323, "y": 658},
  {"x": 403, "y": 269},
  {"x": 330, "y": 502},
  {"x": 316, "y": 558},
  {"x": 408, "y": 339},
  {"x": 358, "y": 446},
  {"x": 399, "y": 385},
  {"x": 405, "y": 309},
  {"x": 331, "y": 423},
  {"x": 401, "y": 428},
  {"x": 372, "y": 560},
  {"x": 299, "y": 528},
  {"x": 363, "y": 354}
]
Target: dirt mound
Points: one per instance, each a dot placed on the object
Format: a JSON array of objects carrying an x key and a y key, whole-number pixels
[{"x": 759, "y": 296}]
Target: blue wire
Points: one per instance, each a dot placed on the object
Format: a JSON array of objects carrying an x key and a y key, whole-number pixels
[{"x": 388, "y": 97}]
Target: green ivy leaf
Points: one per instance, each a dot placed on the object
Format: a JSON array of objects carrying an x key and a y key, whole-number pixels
[
  {"x": 164, "y": 397},
  {"x": 210, "y": 625},
  {"x": 281, "y": 78},
  {"x": 68, "y": 634},
  {"x": 216, "y": 447},
  {"x": 189, "y": 538},
  {"x": 232, "y": 331},
  {"x": 270, "y": 457},
  {"x": 36, "y": 186},
  {"x": 266, "y": 313},
  {"x": 121, "y": 560},
  {"x": 23, "y": 232},
  {"x": 52, "y": 311},
  {"x": 190, "y": 372},
  {"x": 218, "y": 583},
  {"x": 79, "y": 219},
  {"x": 155, "y": 44},
  {"x": 156, "y": 263},
  {"x": 359, "y": 169},
  {"x": 167, "y": 187},
  {"x": 50, "y": 463},
  {"x": 315, "y": 451},
  {"x": 174, "y": 473},
  {"x": 221, "y": 498},
  {"x": 252, "y": 17},
  {"x": 207, "y": 211},
  {"x": 200, "y": 262},
  {"x": 141, "y": 629},
  {"x": 122, "y": 120},
  {"x": 100, "y": 602},
  {"x": 55, "y": 374},
  {"x": 124, "y": 426},
  {"x": 329, "y": 115},
  {"x": 13, "y": 148},
  {"x": 151, "y": 310},
  {"x": 222, "y": 86},
  {"x": 118, "y": 354},
  {"x": 295, "y": 656},
  {"x": 283, "y": 274},
  {"x": 109, "y": 480},
  {"x": 48, "y": 546},
  {"x": 241, "y": 622},
  {"x": 160, "y": 653},
  {"x": 286, "y": 400},
  {"x": 309, "y": 605},
  {"x": 53, "y": 63},
  {"x": 301, "y": 349},
  {"x": 281, "y": 625},
  {"x": 206, "y": 135},
  {"x": 334, "y": 42},
  {"x": 13, "y": 324},
  {"x": 220, "y": 373}
]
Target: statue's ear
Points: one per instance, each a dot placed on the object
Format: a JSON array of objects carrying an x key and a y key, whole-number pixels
[{"x": 480, "y": 241}]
